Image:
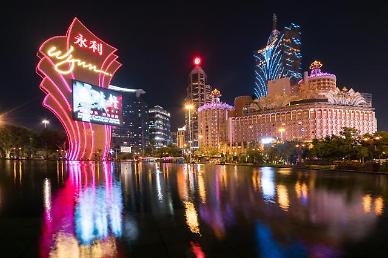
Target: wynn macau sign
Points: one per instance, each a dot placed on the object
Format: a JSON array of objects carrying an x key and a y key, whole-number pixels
[{"x": 76, "y": 70}]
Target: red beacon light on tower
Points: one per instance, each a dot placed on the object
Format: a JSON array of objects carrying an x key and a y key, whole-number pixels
[{"x": 197, "y": 60}]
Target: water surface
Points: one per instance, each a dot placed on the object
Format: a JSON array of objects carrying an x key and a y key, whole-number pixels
[{"x": 85, "y": 209}]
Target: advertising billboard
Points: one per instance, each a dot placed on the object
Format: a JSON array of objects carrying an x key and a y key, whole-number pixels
[{"x": 95, "y": 104}]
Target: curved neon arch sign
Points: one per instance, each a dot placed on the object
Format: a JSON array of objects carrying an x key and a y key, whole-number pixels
[{"x": 79, "y": 55}]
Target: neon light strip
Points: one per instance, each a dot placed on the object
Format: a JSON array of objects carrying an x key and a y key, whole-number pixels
[
  {"x": 71, "y": 147},
  {"x": 45, "y": 89},
  {"x": 67, "y": 58},
  {"x": 45, "y": 55},
  {"x": 74, "y": 147},
  {"x": 63, "y": 123}
]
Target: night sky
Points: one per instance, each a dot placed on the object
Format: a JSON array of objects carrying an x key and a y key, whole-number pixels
[{"x": 156, "y": 44}]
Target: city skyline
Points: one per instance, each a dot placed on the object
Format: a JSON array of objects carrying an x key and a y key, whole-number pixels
[{"x": 144, "y": 50}]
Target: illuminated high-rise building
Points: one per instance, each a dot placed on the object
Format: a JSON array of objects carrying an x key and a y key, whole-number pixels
[
  {"x": 133, "y": 132},
  {"x": 280, "y": 58},
  {"x": 198, "y": 94},
  {"x": 159, "y": 127}
]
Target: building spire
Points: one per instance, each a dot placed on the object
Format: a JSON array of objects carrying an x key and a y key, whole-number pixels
[{"x": 274, "y": 21}]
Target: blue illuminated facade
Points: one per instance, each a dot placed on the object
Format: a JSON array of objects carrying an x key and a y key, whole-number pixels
[{"x": 280, "y": 58}]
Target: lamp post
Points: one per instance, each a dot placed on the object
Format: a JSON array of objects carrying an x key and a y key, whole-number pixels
[
  {"x": 281, "y": 131},
  {"x": 189, "y": 107},
  {"x": 46, "y": 122}
]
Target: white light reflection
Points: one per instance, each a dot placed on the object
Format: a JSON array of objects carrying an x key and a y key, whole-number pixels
[
  {"x": 159, "y": 187},
  {"x": 267, "y": 184},
  {"x": 47, "y": 196},
  {"x": 97, "y": 212}
]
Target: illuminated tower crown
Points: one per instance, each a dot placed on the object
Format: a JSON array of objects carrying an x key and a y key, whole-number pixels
[
  {"x": 321, "y": 81},
  {"x": 280, "y": 58},
  {"x": 216, "y": 94},
  {"x": 315, "y": 67}
]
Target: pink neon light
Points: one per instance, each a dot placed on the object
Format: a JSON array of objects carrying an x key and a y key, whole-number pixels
[
  {"x": 66, "y": 115},
  {"x": 77, "y": 135},
  {"x": 215, "y": 106},
  {"x": 41, "y": 52},
  {"x": 57, "y": 102},
  {"x": 92, "y": 133},
  {"x": 113, "y": 71},
  {"x": 76, "y": 122},
  {"x": 101, "y": 77},
  {"x": 51, "y": 80},
  {"x": 61, "y": 121},
  {"x": 57, "y": 114},
  {"x": 72, "y": 154}
]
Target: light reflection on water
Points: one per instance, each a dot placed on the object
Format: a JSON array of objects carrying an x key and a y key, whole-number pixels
[
  {"x": 84, "y": 218},
  {"x": 94, "y": 210}
]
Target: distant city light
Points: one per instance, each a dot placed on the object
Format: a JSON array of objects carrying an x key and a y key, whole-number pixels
[
  {"x": 197, "y": 60},
  {"x": 267, "y": 140}
]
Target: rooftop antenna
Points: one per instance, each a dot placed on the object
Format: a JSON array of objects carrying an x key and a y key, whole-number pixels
[{"x": 274, "y": 21}]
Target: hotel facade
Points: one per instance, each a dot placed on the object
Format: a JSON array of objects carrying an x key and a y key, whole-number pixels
[
  {"x": 212, "y": 122},
  {"x": 317, "y": 109}
]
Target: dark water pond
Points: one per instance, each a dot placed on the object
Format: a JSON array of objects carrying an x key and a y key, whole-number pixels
[{"x": 168, "y": 210}]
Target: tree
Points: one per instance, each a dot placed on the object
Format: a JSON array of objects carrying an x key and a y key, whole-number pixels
[
  {"x": 168, "y": 151},
  {"x": 255, "y": 156},
  {"x": 50, "y": 139},
  {"x": 288, "y": 152},
  {"x": 350, "y": 145},
  {"x": 14, "y": 137}
]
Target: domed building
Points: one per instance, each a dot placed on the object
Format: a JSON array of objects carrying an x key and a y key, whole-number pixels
[
  {"x": 212, "y": 122},
  {"x": 319, "y": 81}
]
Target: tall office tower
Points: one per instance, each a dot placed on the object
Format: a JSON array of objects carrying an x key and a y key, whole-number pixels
[
  {"x": 134, "y": 131},
  {"x": 159, "y": 127},
  {"x": 280, "y": 58},
  {"x": 198, "y": 94}
]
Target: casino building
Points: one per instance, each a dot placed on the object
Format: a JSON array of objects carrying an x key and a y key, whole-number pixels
[
  {"x": 212, "y": 122},
  {"x": 312, "y": 109}
]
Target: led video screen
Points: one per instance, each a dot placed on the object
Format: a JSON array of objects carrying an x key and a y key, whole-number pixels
[{"x": 96, "y": 105}]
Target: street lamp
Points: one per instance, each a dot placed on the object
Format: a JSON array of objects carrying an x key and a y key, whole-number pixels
[
  {"x": 45, "y": 122},
  {"x": 189, "y": 107},
  {"x": 281, "y": 131}
]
